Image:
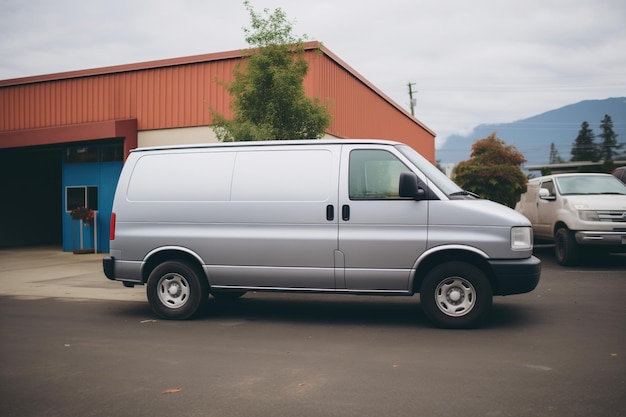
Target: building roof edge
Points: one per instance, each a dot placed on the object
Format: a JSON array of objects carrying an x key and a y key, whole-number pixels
[
  {"x": 195, "y": 59},
  {"x": 371, "y": 86}
]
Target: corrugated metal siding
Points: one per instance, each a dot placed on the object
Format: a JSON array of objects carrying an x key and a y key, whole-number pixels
[
  {"x": 361, "y": 112},
  {"x": 176, "y": 93},
  {"x": 159, "y": 98}
]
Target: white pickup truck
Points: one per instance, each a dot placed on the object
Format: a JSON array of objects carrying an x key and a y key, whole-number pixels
[{"x": 582, "y": 213}]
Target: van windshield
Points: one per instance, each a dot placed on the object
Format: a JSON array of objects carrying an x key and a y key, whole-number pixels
[
  {"x": 437, "y": 177},
  {"x": 590, "y": 184}
]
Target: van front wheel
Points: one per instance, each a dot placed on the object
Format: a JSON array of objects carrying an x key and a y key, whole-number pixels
[
  {"x": 565, "y": 247},
  {"x": 176, "y": 290},
  {"x": 456, "y": 295}
]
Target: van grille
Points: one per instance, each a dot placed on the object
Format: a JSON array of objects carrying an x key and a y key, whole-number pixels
[{"x": 612, "y": 216}]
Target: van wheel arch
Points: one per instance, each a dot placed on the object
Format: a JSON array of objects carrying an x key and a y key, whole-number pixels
[
  {"x": 439, "y": 258},
  {"x": 158, "y": 258}
]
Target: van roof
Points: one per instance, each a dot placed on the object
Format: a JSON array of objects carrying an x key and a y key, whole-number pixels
[{"x": 264, "y": 143}]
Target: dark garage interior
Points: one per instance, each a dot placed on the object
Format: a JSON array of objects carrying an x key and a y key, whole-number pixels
[{"x": 30, "y": 197}]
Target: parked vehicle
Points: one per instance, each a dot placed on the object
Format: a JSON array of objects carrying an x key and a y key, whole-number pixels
[
  {"x": 582, "y": 213},
  {"x": 620, "y": 174},
  {"x": 339, "y": 216}
]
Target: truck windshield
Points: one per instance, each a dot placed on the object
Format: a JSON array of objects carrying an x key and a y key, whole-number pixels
[
  {"x": 590, "y": 184},
  {"x": 437, "y": 177}
]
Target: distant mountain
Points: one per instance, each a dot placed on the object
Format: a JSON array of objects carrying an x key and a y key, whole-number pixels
[{"x": 533, "y": 136}]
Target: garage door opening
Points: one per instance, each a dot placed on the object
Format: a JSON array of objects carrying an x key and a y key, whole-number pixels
[{"x": 30, "y": 197}]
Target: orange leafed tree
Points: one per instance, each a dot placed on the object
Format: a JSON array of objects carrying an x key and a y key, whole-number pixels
[{"x": 493, "y": 171}]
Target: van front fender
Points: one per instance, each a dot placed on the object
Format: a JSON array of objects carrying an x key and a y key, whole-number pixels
[{"x": 445, "y": 253}]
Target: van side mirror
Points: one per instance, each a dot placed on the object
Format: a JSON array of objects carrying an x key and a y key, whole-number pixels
[
  {"x": 544, "y": 194},
  {"x": 409, "y": 187}
]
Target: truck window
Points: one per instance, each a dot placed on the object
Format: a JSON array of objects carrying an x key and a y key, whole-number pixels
[{"x": 374, "y": 174}]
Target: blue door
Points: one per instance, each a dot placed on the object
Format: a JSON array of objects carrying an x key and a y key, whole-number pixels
[{"x": 89, "y": 179}]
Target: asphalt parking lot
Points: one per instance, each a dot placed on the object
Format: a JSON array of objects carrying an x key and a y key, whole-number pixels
[{"x": 76, "y": 344}]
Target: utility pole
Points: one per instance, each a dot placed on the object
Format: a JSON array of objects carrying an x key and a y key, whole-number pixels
[{"x": 413, "y": 101}]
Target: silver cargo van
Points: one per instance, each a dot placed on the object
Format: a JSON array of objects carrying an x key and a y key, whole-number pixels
[{"x": 332, "y": 216}]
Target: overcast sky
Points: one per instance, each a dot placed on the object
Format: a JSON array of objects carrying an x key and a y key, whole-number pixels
[{"x": 472, "y": 62}]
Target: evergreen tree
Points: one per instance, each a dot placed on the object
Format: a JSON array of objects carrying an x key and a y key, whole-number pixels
[
  {"x": 584, "y": 147},
  {"x": 609, "y": 146},
  {"x": 268, "y": 97},
  {"x": 555, "y": 158},
  {"x": 493, "y": 171}
]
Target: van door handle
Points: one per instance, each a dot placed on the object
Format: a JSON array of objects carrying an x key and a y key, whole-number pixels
[
  {"x": 345, "y": 213},
  {"x": 330, "y": 212}
]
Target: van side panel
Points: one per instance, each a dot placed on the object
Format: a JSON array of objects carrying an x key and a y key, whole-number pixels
[
  {"x": 256, "y": 219},
  {"x": 181, "y": 178}
]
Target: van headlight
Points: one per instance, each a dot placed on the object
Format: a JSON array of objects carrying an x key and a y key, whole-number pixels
[
  {"x": 521, "y": 238},
  {"x": 588, "y": 215}
]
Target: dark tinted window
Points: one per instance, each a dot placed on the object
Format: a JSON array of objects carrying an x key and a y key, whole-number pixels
[
  {"x": 74, "y": 197},
  {"x": 112, "y": 153},
  {"x": 81, "y": 197}
]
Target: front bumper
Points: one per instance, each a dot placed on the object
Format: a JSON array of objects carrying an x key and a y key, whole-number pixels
[
  {"x": 589, "y": 237},
  {"x": 515, "y": 276}
]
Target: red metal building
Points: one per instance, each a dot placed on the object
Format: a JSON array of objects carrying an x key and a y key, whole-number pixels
[{"x": 50, "y": 125}]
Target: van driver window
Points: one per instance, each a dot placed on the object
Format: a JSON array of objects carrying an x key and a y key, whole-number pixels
[{"x": 374, "y": 174}]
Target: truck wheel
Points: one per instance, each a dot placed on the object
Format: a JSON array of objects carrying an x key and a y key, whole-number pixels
[
  {"x": 176, "y": 290},
  {"x": 456, "y": 295},
  {"x": 565, "y": 247}
]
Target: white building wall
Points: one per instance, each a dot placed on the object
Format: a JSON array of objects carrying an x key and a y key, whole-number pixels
[
  {"x": 177, "y": 136},
  {"x": 181, "y": 136}
]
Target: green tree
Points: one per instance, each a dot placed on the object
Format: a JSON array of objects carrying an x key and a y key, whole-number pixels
[
  {"x": 555, "y": 158},
  {"x": 493, "y": 171},
  {"x": 268, "y": 97},
  {"x": 609, "y": 146},
  {"x": 584, "y": 147}
]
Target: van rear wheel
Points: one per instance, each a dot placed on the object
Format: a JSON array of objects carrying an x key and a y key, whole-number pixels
[
  {"x": 456, "y": 295},
  {"x": 176, "y": 290}
]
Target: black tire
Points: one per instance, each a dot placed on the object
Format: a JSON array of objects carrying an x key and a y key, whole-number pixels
[
  {"x": 566, "y": 249},
  {"x": 176, "y": 290},
  {"x": 456, "y": 295},
  {"x": 227, "y": 295}
]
